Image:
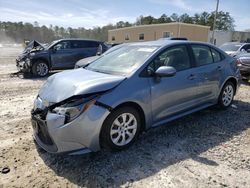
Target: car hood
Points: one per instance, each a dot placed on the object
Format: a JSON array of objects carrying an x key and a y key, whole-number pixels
[
  {"x": 76, "y": 82},
  {"x": 231, "y": 52},
  {"x": 33, "y": 47}
]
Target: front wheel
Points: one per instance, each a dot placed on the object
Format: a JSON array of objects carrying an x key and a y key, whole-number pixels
[
  {"x": 121, "y": 128},
  {"x": 40, "y": 68},
  {"x": 227, "y": 95}
]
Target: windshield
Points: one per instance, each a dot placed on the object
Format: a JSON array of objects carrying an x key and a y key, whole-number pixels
[
  {"x": 230, "y": 47},
  {"x": 123, "y": 60},
  {"x": 51, "y": 44}
]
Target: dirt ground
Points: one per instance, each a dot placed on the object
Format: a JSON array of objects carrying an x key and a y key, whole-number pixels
[{"x": 210, "y": 148}]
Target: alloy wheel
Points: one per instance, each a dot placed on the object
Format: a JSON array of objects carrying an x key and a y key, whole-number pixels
[
  {"x": 227, "y": 95},
  {"x": 42, "y": 69},
  {"x": 123, "y": 129}
]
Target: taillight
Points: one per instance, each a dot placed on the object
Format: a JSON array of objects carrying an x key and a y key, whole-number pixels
[{"x": 238, "y": 62}]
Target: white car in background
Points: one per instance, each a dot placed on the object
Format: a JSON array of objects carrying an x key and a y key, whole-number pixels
[{"x": 235, "y": 48}]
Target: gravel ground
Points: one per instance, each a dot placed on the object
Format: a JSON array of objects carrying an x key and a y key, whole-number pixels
[{"x": 210, "y": 148}]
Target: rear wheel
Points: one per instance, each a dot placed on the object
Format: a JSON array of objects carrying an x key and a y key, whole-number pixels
[
  {"x": 40, "y": 68},
  {"x": 227, "y": 95},
  {"x": 121, "y": 128}
]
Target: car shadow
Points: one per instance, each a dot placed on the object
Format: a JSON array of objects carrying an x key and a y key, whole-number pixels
[
  {"x": 246, "y": 82},
  {"x": 29, "y": 76},
  {"x": 156, "y": 149}
]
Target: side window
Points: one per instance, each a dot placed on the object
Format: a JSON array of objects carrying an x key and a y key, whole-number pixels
[
  {"x": 216, "y": 55},
  {"x": 141, "y": 36},
  {"x": 166, "y": 34},
  {"x": 84, "y": 44},
  {"x": 127, "y": 36},
  {"x": 76, "y": 44},
  {"x": 62, "y": 45},
  {"x": 202, "y": 55},
  {"x": 176, "y": 57},
  {"x": 93, "y": 44}
]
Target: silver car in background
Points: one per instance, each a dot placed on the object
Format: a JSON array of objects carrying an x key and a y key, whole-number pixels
[
  {"x": 243, "y": 62},
  {"x": 235, "y": 48},
  {"x": 138, "y": 86},
  {"x": 86, "y": 61}
]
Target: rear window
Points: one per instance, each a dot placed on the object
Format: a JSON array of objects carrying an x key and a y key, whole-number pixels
[
  {"x": 202, "y": 54},
  {"x": 216, "y": 55}
]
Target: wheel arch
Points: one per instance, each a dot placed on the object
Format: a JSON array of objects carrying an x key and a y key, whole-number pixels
[
  {"x": 41, "y": 59},
  {"x": 127, "y": 104},
  {"x": 233, "y": 80},
  {"x": 139, "y": 110}
]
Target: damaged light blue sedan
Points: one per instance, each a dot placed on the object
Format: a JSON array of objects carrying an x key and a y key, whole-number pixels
[{"x": 140, "y": 85}]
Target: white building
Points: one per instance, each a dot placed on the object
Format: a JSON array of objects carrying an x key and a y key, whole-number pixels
[{"x": 221, "y": 37}]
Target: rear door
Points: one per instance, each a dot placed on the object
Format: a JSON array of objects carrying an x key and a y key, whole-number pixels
[
  {"x": 173, "y": 95},
  {"x": 209, "y": 71}
]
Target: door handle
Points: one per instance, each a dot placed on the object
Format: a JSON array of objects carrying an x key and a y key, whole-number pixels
[
  {"x": 191, "y": 77},
  {"x": 219, "y": 68}
]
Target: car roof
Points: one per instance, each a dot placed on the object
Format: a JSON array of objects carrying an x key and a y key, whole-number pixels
[
  {"x": 162, "y": 43},
  {"x": 78, "y": 39}
]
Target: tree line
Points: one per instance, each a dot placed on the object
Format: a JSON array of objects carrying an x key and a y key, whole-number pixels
[{"x": 19, "y": 31}]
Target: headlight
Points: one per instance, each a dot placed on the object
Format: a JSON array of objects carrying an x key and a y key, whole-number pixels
[{"x": 73, "y": 109}]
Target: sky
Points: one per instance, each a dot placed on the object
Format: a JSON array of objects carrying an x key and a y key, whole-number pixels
[{"x": 91, "y": 13}]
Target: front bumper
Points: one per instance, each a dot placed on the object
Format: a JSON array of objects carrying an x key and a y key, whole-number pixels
[
  {"x": 22, "y": 66},
  {"x": 54, "y": 136}
]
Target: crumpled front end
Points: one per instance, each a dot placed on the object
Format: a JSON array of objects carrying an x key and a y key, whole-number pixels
[
  {"x": 23, "y": 61},
  {"x": 56, "y": 134},
  {"x": 23, "y": 64}
]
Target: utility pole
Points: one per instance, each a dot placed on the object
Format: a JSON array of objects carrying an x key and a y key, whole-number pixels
[
  {"x": 216, "y": 12},
  {"x": 179, "y": 27}
]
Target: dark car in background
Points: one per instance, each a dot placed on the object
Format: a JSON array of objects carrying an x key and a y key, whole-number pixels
[
  {"x": 235, "y": 48},
  {"x": 39, "y": 59}
]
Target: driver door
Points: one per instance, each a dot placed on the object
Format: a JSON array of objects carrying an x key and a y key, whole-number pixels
[
  {"x": 62, "y": 55},
  {"x": 173, "y": 95}
]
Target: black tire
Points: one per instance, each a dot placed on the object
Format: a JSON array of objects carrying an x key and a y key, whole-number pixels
[
  {"x": 105, "y": 137},
  {"x": 40, "y": 68},
  {"x": 221, "y": 101}
]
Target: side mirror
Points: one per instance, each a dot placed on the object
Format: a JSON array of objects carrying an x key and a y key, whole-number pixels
[
  {"x": 248, "y": 50},
  {"x": 98, "y": 53},
  {"x": 165, "y": 71}
]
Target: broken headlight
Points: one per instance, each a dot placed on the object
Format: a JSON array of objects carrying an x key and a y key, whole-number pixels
[{"x": 73, "y": 109}]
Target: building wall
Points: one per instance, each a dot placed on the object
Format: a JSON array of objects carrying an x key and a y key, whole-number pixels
[
  {"x": 222, "y": 37},
  {"x": 155, "y": 32}
]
